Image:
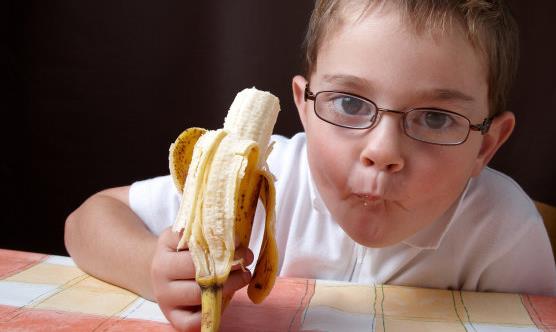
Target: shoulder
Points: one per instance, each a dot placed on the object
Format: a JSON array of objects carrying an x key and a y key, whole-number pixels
[
  {"x": 501, "y": 238},
  {"x": 496, "y": 181},
  {"x": 494, "y": 215},
  {"x": 501, "y": 200},
  {"x": 282, "y": 145},
  {"x": 160, "y": 185},
  {"x": 287, "y": 153},
  {"x": 155, "y": 201}
]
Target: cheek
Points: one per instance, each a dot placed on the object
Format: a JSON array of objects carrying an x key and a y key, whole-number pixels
[
  {"x": 329, "y": 161},
  {"x": 444, "y": 173}
]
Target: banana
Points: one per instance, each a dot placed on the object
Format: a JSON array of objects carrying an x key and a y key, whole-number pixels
[{"x": 222, "y": 174}]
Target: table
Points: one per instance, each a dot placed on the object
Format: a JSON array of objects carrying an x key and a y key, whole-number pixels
[{"x": 41, "y": 292}]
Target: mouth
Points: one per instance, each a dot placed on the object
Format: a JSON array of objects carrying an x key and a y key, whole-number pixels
[{"x": 368, "y": 199}]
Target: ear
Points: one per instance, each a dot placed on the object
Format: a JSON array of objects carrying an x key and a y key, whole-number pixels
[
  {"x": 298, "y": 86},
  {"x": 500, "y": 130}
]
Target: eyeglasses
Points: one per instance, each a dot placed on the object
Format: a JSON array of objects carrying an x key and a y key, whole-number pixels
[{"x": 429, "y": 125}]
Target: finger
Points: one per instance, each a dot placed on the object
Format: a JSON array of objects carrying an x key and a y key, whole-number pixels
[
  {"x": 181, "y": 293},
  {"x": 236, "y": 280},
  {"x": 242, "y": 253},
  {"x": 180, "y": 266},
  {"x": 175, "y": 265},
  {"x": 184, "y": 320},
  {"x": 188, "y": 293}
]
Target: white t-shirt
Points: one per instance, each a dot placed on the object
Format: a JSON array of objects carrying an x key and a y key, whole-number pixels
[{"x": 492, "y": 239}]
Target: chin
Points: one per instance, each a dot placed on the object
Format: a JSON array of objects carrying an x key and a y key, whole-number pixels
[
  {"x": 369, "y": 234},
  {"x": 373, "y": 242}
]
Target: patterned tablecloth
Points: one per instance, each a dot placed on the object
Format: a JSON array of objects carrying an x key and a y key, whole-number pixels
[{"x": 48, "y": 293}]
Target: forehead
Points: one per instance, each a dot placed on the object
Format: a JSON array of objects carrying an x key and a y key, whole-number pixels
[
  {"x": 431, "y": 23},
  {"x": 383, "y": 50}
]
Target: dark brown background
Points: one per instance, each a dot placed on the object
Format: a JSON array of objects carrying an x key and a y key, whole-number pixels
[{"x": 97, "y": 90}]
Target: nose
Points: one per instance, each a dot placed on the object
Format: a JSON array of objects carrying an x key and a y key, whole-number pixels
[{"x": 383, "y": 145}]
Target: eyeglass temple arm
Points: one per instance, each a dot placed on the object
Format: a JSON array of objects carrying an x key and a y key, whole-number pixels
[
  {"x": 482, "y": 127},
  {"x": 308, "y": 94}
]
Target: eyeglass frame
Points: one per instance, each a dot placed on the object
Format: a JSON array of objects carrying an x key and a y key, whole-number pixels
[{"x": 481, "y": 127}]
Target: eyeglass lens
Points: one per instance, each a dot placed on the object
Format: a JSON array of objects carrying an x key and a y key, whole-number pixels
[{"x": 428, "y": 125}]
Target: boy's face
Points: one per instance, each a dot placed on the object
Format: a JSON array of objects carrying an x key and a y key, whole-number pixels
[{"x": 380, "y": 185}]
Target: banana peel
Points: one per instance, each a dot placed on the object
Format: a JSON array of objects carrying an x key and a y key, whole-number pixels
[{"x": 222, "y": 174}]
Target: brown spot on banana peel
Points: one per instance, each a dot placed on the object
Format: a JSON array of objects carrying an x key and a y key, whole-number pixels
[{"x": 180, "y": 154}]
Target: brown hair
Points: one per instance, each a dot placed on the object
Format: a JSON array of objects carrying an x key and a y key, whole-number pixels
[{"x": 489, "y": 25}]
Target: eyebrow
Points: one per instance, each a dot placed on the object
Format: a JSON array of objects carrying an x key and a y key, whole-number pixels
[
  {"x": 440, "y": 94},
  {"x": 346, "y": 80},
  {"x": 446, "y": 95}
]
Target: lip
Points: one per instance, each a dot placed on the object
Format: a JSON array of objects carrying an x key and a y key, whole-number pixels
[
  {"x": 367, "y": 197},
  {"x": 368, "y": 200},
  {"x": 374, "y": 201}
]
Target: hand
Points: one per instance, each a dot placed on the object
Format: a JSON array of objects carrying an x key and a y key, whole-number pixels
[{"x": 174, "y": 285}]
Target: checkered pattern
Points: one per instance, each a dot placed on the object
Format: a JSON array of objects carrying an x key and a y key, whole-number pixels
[
  {"x": 49, "y": 293},
  {"x": 393, "y": 308}
]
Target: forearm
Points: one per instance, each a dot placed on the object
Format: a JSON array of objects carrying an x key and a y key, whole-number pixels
[{"x": 107, "y": 240}]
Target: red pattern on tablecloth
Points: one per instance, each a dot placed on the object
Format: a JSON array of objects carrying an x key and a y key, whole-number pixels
[
  {"x": 542, "y": 310},
  {"x": 51, "y": 320},
  {"x": 12, "y": 262},
  {"x": 276, "y": 313}
]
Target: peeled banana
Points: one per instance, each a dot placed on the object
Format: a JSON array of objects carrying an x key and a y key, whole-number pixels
[{"x": 222, "y": 174}]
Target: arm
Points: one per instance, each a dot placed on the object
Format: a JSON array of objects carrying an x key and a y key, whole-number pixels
[{"x": 107, "y": 240}]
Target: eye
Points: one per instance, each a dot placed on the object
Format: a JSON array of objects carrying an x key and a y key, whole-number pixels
[
  {"x": 435, "y": 119},
  {"x": 350, "y": 105}
]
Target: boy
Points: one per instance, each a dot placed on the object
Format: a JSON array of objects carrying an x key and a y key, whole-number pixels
[{"x": 403, "y": 106}]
